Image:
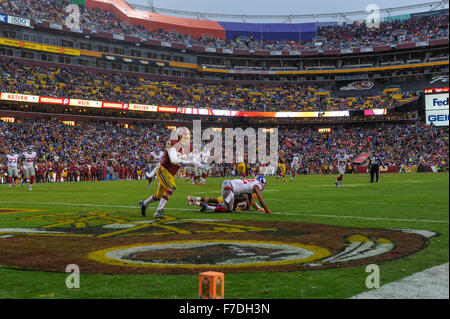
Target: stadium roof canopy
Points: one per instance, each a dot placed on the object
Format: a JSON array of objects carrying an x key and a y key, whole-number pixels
[{"x": 201, "y": 25}]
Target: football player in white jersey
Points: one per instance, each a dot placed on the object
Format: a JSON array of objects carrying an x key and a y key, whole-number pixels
[
  {"x": 294, "y": 166},
  {"x": 211, "y": 204},
  {"x": 196, "y": 170},
  {"x": 204, "y": 171},
  {"x": 342, "y": 159},
  {"x": 28, "y": 170},
  {"x": 155, "y": 158},
  {"x": 233, "y": 188},
  {"x": 13, "y": 172}
]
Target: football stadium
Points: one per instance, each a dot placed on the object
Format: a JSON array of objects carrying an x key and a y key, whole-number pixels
[{"x": 151, "y": 153}]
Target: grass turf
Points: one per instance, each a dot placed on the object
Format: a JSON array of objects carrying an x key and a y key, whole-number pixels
[{"x": 408, "y": 201}]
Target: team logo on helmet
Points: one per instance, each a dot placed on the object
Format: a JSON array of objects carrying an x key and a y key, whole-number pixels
[{"x": 261, "y": 179}]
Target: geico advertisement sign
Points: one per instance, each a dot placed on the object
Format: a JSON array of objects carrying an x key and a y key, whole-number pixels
[
  {"x": 436, "y": 101},
  {"x": 438, "y": 118}
]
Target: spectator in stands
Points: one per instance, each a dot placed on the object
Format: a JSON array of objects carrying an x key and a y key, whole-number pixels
[
  {"x": 124, "y": 150},
  {"x": 117, "y": 87},
  {"x": 347, "y": 35}
]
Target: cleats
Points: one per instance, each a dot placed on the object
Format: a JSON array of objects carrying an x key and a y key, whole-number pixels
[
  {"x": 191, "y": 200},
  {"x": 159, "y": 214},
  {"x": 143, "y": 208}
]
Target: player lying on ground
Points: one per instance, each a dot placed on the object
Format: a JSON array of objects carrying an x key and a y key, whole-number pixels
[
  {"x": 234, "y": 188},
  {"x": 211, "y": 204}
]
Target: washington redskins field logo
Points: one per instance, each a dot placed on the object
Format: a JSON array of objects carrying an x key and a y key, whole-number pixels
[{"x": 115, "y": 243}]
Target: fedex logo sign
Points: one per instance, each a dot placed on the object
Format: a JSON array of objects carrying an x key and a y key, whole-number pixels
[
  {"x": 436, "y": 101},
  {"x": 439, "y": 102}
]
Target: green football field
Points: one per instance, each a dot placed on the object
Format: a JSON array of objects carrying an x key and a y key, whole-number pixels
[{"x": 328, "y": 234}]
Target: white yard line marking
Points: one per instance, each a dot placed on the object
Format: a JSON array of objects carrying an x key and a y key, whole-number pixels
[
  {"x": 432, "y": 283},
  {"x": 354, "y": 202},
  {"x": 353, "y": 194},
  {"x": 366, "y": 218},
  {"x": 274, "y": 213}
]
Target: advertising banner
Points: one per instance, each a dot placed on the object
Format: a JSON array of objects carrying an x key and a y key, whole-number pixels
[
  {"x": 437, "y": 117},
  {"x": 20, "y": 97},
  {"x": 19, "y": 21},
  {"x": 164, "y": 109},
  {"x": 436, "y": 101},
  {"x": 53, "y": 100},
  {"x": 85, "y": 103}
]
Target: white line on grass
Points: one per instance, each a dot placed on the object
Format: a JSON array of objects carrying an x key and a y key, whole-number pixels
[
  {"x": 431, "y": 283},
  {"x": 360, "y": 194},
  {"x": 352, "y": 202},
  {"x": 274, "y": 213}
]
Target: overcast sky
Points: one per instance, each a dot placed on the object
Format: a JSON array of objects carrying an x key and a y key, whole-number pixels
[{"x": 276, "y": 7}]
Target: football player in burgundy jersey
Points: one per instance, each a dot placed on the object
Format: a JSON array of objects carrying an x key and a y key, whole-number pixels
[{"x": 170, "y": 164}]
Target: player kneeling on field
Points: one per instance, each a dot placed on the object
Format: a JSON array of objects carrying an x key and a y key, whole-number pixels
[
  {"x": 211, "y": 204},
  {"x": 234, "y": 189}
]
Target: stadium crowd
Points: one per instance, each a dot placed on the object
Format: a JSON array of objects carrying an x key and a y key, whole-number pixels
[
  {"x": 94, "y": 85},
  {"x": 347, "y": 35},
  {"x": 396, "y": 144},
  {"x": 100, "y": 150},
  {"x": 396, "y": 31}
]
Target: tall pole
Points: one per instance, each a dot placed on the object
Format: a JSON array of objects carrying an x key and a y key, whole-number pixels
[
  {"x": 151, "y": 5},
  {"x": 152, "y": 10}
]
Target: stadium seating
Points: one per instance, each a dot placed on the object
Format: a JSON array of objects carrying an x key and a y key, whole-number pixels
[
  {"x": 91, "y": 85},
  {"x": 103, "y": 144},
  {"x": 332, "y": 36}
]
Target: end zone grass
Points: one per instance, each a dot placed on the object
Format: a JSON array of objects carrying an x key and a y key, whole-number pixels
[{"x": 409, "y": 201}]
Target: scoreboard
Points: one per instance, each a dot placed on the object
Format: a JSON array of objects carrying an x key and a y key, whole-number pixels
[{"x": 436, "y": 106}]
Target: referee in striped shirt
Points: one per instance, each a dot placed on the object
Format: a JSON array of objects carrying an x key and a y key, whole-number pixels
[{"x": 375, "y": 164}]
